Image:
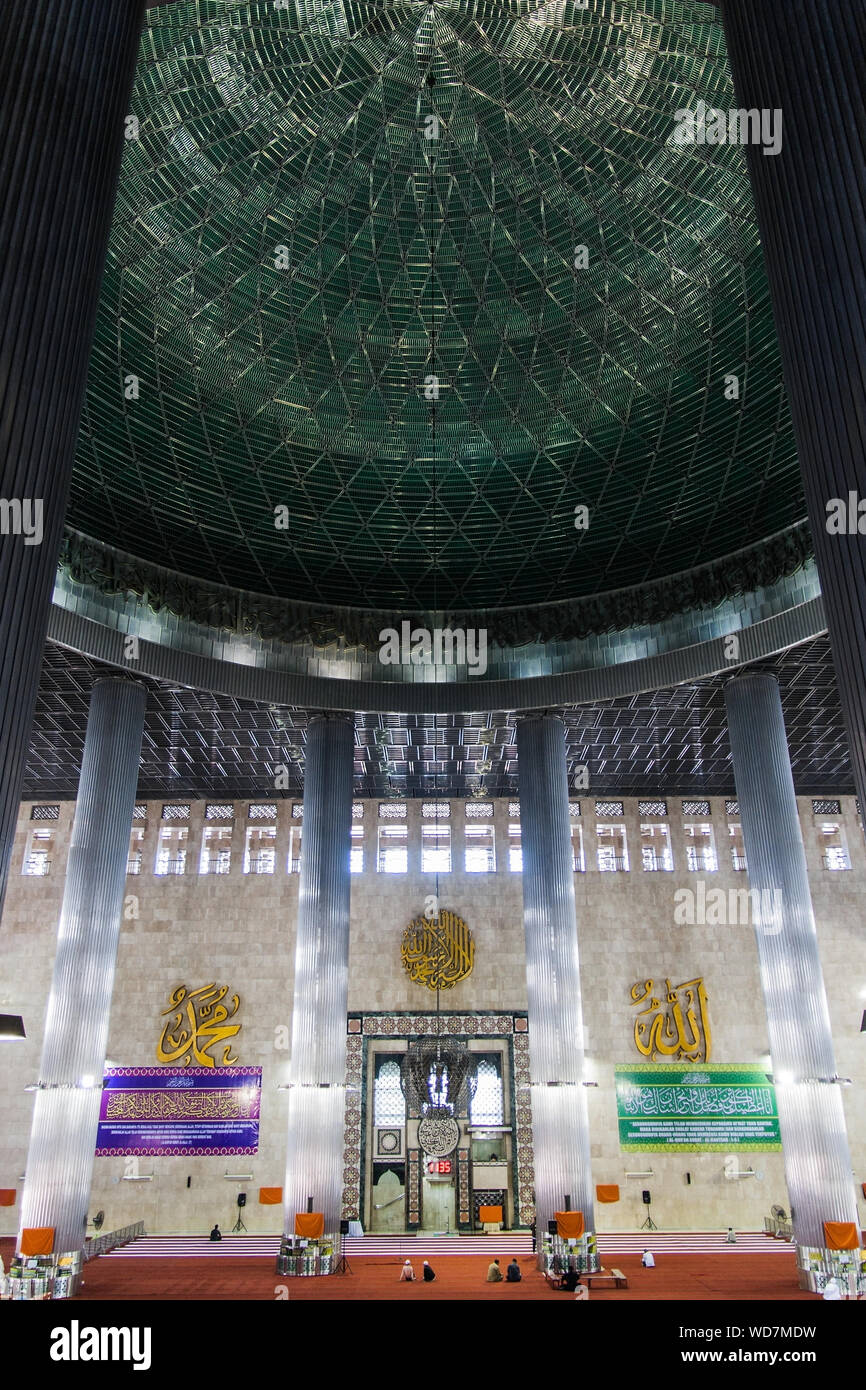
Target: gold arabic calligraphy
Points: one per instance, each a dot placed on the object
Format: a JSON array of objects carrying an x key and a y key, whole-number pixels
[
  {"x": 679, "y": 1027},
  {"x": 438, "y": 952},
  {"x": 197, "y": 1024}
]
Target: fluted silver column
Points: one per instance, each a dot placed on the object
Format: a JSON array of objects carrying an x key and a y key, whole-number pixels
[
  {"x": 66, "y": 69},
  {"x": 66, "y": 1113},
  {"x": 811, "y": 1118},
  {"x": 317, "y": 1070},
  {"x": 560, "y": 1126},
  {"x": 805, "y": 59}
]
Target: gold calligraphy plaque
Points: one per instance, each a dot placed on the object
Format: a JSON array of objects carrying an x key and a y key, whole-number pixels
[
  {"x": 198, "y": 1021},
  {"x": 438, "y": 951},
  {"x": 677, "y": 1026}
]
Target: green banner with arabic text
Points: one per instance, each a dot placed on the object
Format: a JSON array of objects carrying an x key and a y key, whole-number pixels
[{"x": 701, "y": 1108}]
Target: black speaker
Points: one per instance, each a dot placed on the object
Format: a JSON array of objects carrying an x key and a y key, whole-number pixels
[
  {"x": 189, "y": 1182},
  {"x": 242, "y": 1199},
  {"x": 645, "y": 1195},
  {"x": 688, "y": 1177},
  {"x": 551, "y": 1228},
  {"x": 344, "y": 1227}
]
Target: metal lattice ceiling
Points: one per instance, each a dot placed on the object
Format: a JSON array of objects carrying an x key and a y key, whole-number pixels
[
  {"x": 668, "y": 742},
  {"x": 303, "y": 127}
]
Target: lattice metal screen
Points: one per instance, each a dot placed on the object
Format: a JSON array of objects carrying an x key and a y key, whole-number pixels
[{"x": 268, "y": 284}]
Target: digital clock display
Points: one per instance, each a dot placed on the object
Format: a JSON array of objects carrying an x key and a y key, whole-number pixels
[{"x": 439, "y": 1165}]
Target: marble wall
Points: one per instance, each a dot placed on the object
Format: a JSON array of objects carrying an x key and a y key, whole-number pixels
[{"x": 238, "y": 929}]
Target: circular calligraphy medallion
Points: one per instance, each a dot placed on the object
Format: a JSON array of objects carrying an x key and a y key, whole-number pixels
[
  {"x": 439, "y": 1137},
  {"x": 439, "y": 951}
]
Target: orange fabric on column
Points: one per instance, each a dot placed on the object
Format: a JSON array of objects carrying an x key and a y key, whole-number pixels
[
  {"x": 487, "y": 1214},
  {"x": 37, "y": 1240},
  {"x": 7, "y": 1196},
  {"x": 841, "y": 1235},
  {"x": 569, "y": 1224},
  {"x": 309, "y": 1224},
  {"x": 607, "y": 1192},
  {"x": 270, "y": 1196}
]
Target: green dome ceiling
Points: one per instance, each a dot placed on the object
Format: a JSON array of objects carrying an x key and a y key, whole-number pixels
[{"x": 303, "y": 127}]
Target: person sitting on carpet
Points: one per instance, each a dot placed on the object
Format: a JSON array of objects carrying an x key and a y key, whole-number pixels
[
  {"x": 494, "y": 1273},
  {"x": 407, "y": 1273},
  {"x": 512, "y": 1273},
  {"x": 570, "y": 1280},
  {"x": 429, "y": 1276},
  {"x": 216, "y": 1233},
  {"x": 648, "y": 1260}
]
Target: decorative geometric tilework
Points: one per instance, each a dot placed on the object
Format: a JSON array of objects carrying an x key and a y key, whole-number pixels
[
  {"x": 463, "y": 1207},
  {"x": 389, "y": 1143},
  {"x": 479, "y": 810},
  {"x": 826, "y": 808},
  {"x": 514, "y": 810},
  {"x": 652, "y": 808},
  {"x": 696, "y": 808},
  {"x": 392, "y": 810},
  {"x": 732, "y": 808},
  {"x": 414, "y": 1188},
  {"x": 139, "y": 812},
  {"x": 175, "y": 812},
  {"x": 523, "y": 1129},
  {"x": 459, "y": 1025},
  {"x": 263, "y": 810},
  {"x": 574, "y": 809},
  {"x": 608, "y": 808},
  {"x": 45, "y": 813},
  {"x": 436, "y": 810},
  {"x": 357, "y": 810},
  {"x": 352, "y": 1127},
  {"x": 214, "y": 811},
  {"x": 298, "y": 810}
]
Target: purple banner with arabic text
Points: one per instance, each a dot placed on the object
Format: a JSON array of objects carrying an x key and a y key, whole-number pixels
[{"x": 188, "y": 1110}]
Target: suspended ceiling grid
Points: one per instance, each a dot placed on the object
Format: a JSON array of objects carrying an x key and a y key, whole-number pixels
[{"x": 672, "y": 741}]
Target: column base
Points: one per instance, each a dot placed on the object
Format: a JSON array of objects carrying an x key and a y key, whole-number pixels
[
  {"x": 310, "y": 1259},
  {"x": 40, "y": 1278},
  {"x": 816, "y": 1266},
  {"x": 555, "y": 1255}
]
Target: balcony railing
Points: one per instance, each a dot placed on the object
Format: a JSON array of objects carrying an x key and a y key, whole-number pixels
[
  {"x": 836, "y": 861},
  {"x": 133, "y": 866},
  {"x": 738, "y": 861},
  {"x": 612, "y": 865},
  {"x": 260, "y": 864},
  {"x": 217, "y": 866},
  {"x": 38, "y": 865},
  {"x": 170, "y": 866},
  {"x": 657, "y": 866}
]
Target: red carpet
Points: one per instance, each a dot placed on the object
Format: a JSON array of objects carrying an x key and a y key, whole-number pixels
[{"x": 730, "y": 1275}]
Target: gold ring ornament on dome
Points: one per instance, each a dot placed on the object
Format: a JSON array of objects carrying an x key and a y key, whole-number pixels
[{"x": 438, "y": 951}]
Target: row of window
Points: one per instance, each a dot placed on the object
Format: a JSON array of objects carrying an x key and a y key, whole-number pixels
[
  {"x": 486, "y": 1103},
  {"x": 479, "y": 854}
]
